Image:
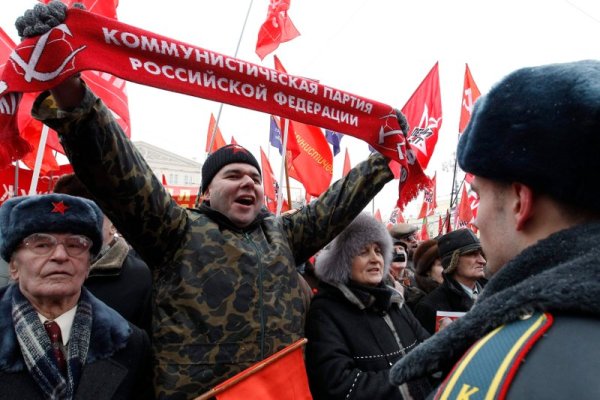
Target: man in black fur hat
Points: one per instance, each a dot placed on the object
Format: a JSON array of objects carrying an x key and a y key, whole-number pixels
[{"x": 532, "y": 144}]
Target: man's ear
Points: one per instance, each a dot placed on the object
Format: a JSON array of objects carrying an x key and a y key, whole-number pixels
[
  {"x": 523, "y": 205},
  {"x": 13, "y": 270}
]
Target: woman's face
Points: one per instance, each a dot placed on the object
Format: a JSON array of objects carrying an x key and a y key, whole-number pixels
[
  {"x": 367, "y": 266},
  {"x": 436, "y": 271}
]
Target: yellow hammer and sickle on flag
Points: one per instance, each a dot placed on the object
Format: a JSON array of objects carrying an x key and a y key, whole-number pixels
[{"x": 466, "y": 391}]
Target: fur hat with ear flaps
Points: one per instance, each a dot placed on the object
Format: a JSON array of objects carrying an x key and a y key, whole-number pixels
[{"x": 334, "y": 262}]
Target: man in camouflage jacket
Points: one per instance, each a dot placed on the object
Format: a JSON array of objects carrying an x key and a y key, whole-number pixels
[{"x": 226, "y": 295}]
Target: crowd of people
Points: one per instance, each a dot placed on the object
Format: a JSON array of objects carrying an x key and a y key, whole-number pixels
[{"x": 117, "y": 292}]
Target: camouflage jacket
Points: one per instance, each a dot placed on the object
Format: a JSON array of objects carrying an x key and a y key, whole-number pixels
[{"x": 225, "y": 297}]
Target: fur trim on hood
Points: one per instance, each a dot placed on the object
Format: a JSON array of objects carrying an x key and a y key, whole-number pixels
[{"x": 334, "y": 262}]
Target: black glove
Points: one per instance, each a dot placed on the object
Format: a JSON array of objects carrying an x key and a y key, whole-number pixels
[
  {"x": 403, "y": 122},
  {"x": 42, "y": 18}
]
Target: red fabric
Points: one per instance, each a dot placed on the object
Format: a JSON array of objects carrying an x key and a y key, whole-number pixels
[
  {"x": 440, "y": 225},
  {"x": 448, "y": 226},
  {"x": 429, "y": 199},
  {"x": 55, "y": 336},
  {"x": 283, "y": 377},
  {"x": 378, "y": 215},
  {"x": 424, "y": 231},
  {"x": 396, "y": 217},
  {"x": 347, "y": 165},
  {"x": 292, "y": 144},
  {"x": 233, "y": 141},
  {"x": 465, "y": 214},
  {"x": 45, "y": 182},
  {"x": 277, "y": 28},
  {"x": 314, "y": 165},
  {"x": 424, "y": 114},
  {"x": 218, "y": 141},
  {"x": 88, "y": 41},
  {"x": 470, "y": 94},
  {"x": 164, "y": 180},
  {"x": 269, "y": 182},
  {"x": 185, "y": 196}
]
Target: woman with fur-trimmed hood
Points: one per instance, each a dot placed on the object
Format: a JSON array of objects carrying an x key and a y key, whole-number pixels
[{"x": 357, "y": 327}]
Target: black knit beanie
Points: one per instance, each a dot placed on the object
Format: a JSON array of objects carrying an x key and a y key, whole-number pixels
[{"x": 232, "y": 153}]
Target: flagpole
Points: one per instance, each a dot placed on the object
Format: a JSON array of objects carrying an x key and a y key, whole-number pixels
[
  {"x": 286, "y": 124},
  {"x": 16, "y": 187},
  {"x": 38, "y": 160},
  {"x": 237, "y": 48}
]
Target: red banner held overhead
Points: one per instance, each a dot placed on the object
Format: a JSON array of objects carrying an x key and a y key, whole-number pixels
[{"x": 86, "y": 41}]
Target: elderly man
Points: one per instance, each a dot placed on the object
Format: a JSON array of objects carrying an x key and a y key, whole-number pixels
[
  {"x": 58, "y": 340},
  {"x": 532, "y": 144},
  {"x": 463, "y": 262},
  {"x": 227, "y": 292}
]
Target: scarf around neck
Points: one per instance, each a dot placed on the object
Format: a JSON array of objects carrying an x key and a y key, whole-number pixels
[
  {"x": 36, "y": 347},
  {"x": 85, "y": 41}
]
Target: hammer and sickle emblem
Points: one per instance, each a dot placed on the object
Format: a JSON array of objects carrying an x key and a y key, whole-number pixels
[{"x": 30, "y": 67}]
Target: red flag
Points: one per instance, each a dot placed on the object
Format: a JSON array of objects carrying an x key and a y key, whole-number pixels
[
  {"x": 429, "y": 199},
  {"x": 278, "y": 28},
  {"x": 270, "y": 185},
  {"x": 45, "y": 182},
  {"x": 110, "y": 89},
  {"x": 440, "y": 225},
  {"x": 280, "y": 376},
  {"x": 465, "y": 215},
  {"x": 470, "y": 94},
  {"x": 377, "y": 215},
  {"x": 395, "y": 217},
  {"x": 185, "y": 196},
  {"x": 314, "y": 164},
  {"x": 347, "y": 166},
  {"x": 218, "y": 141},
  {"x": 233, "y": 141},
  {"x": 424, "y": 114},
  {"x": 164, "y": 180},
  {"x": 448, "y": 227},
  {"x": 424, "y": 231},
  {"x": 292, "y": 147}
]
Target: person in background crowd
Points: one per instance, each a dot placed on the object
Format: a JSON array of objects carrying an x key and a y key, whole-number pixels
[
  {"x": 464, "y": 276},
  {"x": 58, "y": 340},
  {"x": 406, "y": 233},
  {"x": 227, "y": 292},
  {"x": 357, "y": 326},
  {"x": 532, "y": 145},
  {"x": 117, "y": 276},
  {"x": 428, "y": 266}
]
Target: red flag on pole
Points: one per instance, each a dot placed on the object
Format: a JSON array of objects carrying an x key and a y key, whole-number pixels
[
  {"x": 424, "y": 114},
  {"x": 424, "y": 231},
  {"x": 280, "y": 376},
  {"x": 218, "y": 141},
  {"x": 395, "y": 217},
  {"x": 465, "y": 214},
  {"x": 447, "y": 222},
  {"x": 429, "y": 199},
  {"x": 440, "y": 225},
  {"x": 470, "y": 95},
  {"x": 347, "y": 165},
  {"x": 270, "y": 185},
  {"x": 278, "y": 28}
]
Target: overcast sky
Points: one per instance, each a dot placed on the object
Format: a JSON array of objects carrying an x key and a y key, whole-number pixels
[{"x": 379, "y": 49}]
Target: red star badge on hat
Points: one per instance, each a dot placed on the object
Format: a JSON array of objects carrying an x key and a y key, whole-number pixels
[
  {"x": 236, "y": 148},
  {"x": 59, "y": 207}
]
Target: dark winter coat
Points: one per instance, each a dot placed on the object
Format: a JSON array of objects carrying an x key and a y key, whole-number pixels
[
  {"x": 354, "y": 336},
  {"x": 124, "y": 282},
  {"x": 558, "y": 275},
  {"x": 225, "y": 297},
  {"x": 116, "y": 368},
  {"x": 449, "y": 296}
]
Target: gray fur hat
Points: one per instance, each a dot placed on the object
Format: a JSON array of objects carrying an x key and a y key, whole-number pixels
[
  {"x": 334, "y": 262},
  {"x": 48, "y": 213}
]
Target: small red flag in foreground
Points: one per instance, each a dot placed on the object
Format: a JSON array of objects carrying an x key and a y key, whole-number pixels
[
  {"x": 278, "y": 28},
  {"x": 347, "y": 166},
  {"x": 470, "y": 94},
  {"x": 281, "y": 376}
]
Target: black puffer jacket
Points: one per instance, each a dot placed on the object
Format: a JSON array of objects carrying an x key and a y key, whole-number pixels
[
  {"x": 558, "y": 275},
  {"x": 354, "y": 335}
]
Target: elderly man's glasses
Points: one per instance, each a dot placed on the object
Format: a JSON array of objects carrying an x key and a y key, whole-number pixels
[{"x": 43, "y": 244}]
